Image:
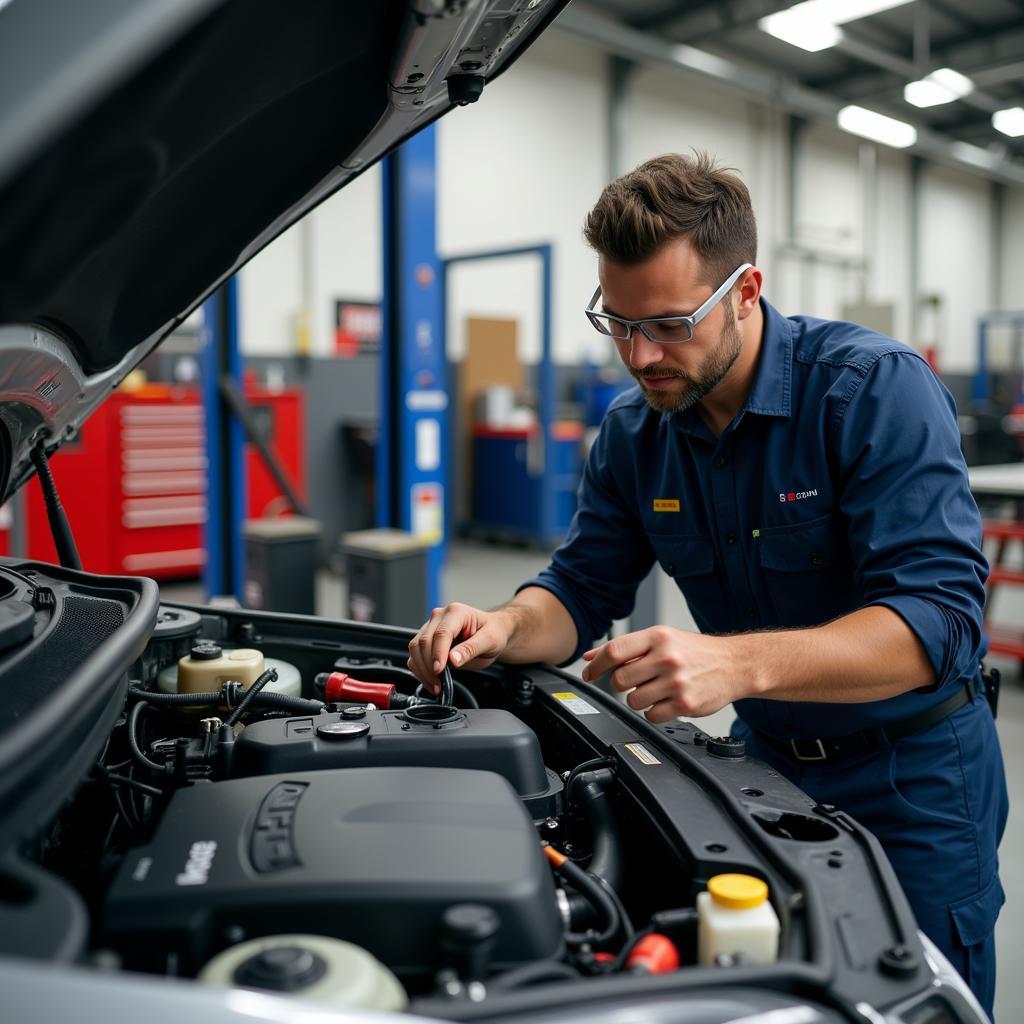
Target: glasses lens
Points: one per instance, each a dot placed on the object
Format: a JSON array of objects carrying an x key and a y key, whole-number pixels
[
  {"x": 668, "y": 332},
  {"x": 609, "y": 325}
]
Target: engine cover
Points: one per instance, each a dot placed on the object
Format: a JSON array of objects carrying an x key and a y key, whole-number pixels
[{"x": 370, "y": 855}]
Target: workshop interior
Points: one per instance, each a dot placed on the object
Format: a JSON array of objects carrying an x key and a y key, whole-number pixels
[{"x": 293, "y": 351}]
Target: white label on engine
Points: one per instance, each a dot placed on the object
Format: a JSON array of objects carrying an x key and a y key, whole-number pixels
[
  {"x": 577, "y": 705},
  {"x": 197, "y": 867},
  {"x": 641, "y": 753}
]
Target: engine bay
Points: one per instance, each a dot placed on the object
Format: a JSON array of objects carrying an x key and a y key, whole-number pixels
[{"x": 267, "y": 801}]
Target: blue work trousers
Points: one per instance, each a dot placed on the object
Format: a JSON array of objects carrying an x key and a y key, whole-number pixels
[{"x": 937, "y": 802}]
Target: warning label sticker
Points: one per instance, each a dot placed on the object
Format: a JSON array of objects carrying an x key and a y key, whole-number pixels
[
  {"x": 641, "y": 753},
  {"x": 576, "y": 704}
]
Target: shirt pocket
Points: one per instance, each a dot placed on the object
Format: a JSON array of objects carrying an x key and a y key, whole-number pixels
[
  {"x": 689, "y": 558},
  {"x": 807, "y": 571}
]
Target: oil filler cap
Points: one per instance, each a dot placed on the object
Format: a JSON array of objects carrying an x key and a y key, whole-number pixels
[
  {"x": 726, "y": 746},
  {"x": 281, "y": 969},
  {"x": 345, "y": 730},
  {"x": 206, "y": 652}
]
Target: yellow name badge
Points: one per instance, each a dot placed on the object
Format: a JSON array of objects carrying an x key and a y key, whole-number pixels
[{"x": 666, "y": 504}]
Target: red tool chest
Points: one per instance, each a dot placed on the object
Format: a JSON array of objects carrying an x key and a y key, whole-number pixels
[{"x": 134, "y": 481}]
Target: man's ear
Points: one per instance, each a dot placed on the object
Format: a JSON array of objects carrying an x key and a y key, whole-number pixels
[{"x": 749, "y": 292}]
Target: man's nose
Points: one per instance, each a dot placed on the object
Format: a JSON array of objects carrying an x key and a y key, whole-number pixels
[{"x": 642, "y": 351}]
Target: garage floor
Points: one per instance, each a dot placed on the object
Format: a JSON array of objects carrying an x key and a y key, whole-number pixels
[{"x": 485, "y": 576}]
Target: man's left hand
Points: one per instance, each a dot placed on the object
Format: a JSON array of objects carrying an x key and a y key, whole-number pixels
[{"x": 671, "y": 672}]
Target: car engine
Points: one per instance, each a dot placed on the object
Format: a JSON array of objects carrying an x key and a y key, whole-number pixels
[{"x": 267, "y": 801}]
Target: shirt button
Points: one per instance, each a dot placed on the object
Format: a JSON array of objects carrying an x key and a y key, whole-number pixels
[
  {"x": 721, "y": 461},
  {"x": 816, "y": 559},
  {"x": 730, "y": 538},
  {"x": 750, "y": 612}
]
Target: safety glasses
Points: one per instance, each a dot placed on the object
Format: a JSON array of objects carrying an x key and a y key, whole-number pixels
[{"x": 663, "y": 330}]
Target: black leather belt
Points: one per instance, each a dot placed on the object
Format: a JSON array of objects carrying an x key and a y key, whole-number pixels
[{"x": 833, "y": 748}]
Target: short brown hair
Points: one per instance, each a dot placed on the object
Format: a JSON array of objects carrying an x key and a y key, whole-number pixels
[{"x": 673, "y": 196}]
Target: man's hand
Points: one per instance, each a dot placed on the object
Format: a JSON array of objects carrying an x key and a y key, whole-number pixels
[
  {"x": 483, "y": 635},
  {"x": 671, "y": 672}
]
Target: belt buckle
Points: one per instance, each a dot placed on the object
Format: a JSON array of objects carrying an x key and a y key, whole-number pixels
[{"x": 820, "y": 755}]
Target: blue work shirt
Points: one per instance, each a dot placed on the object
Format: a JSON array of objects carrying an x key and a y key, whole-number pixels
[{"x": 839, "y": 484}]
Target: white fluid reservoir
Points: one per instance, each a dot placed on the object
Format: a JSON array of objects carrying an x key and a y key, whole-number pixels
[
  {"x": 734, "y": 916},
  {"x": 244, "y": 669}
]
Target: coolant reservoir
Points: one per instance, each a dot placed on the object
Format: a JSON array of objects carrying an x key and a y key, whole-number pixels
[
  {"x": 735, "y": 917},
  {"x": 208, "y": 667},
  {"x": 324, "y": 970}
]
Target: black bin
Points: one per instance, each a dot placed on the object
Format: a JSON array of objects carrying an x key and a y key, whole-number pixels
[
  {"x": 387, "y": 577},
  {"x": 281, "y": 557}
]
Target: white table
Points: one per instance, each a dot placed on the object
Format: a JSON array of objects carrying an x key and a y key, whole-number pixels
[{"x": 1005, "y": 480}]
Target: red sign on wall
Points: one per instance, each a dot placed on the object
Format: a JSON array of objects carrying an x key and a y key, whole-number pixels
[{"x": 356, "y": 328}]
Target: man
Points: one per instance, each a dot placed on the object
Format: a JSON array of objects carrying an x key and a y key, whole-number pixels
[{"x": 802, "y": 482}]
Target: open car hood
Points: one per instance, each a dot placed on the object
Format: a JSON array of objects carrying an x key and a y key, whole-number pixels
[{"x": 149, "y": 149}]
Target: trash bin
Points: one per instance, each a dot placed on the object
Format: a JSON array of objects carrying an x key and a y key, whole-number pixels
[
  {"x": 281, "y": 557},
  {"x": 387, "y": 577}
]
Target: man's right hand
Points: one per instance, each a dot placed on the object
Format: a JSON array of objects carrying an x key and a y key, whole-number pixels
[{"x": 470, "y": 638}]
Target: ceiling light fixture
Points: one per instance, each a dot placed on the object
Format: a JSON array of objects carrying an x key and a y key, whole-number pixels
[
  {"x": 877, "y": 127},
  {"x": 814, "y": 24},
  {"x": 941, "y": 86},
  {"x": 1009, "y": 121}
]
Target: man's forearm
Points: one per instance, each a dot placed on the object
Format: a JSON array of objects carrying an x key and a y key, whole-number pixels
[
  {"x": 540, "y": 628},
  {"x": 870, "y": 654}
]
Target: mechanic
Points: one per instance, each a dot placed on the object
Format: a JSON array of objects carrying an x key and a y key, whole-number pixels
[{"x": 802, "y": 482}]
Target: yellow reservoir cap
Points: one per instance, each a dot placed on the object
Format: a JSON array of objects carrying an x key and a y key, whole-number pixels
[{"x": 737, "y": 892}]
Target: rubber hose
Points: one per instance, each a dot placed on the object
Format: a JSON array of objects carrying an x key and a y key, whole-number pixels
[
  {"x": 463, "y": 691},
  {"x": 133, "y": 743},
  {"x": 251, "y": 694},
  {"x": 211, "y": 697},
  {"x": 283, "y": 702},
  {"x": 592, "y": 790},
  {"x": 531, "y": 974},
  {"x": 595, "y": 893}
]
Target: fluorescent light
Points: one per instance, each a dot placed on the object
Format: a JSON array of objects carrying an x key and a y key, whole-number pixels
[
  {"x": 798, "y": 29},
  {"x": 941, "y": 86},
  {"x": 1009, "y": 121},
  {"x": 877, "y": 127},
  {"x": 813, "y": 24}
]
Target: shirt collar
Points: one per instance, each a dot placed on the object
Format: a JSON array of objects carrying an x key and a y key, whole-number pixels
[{"x": 771, "y": 392}]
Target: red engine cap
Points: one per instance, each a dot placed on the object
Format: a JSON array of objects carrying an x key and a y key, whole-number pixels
[
  {"x": 653, "y": 954},
  {"x": 340, "y": 686}
]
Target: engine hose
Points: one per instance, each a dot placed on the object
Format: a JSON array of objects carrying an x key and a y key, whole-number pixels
[
  {"x": 214, "y": 698},
  {"x": 133, "y": 742},
  {"x": 590, "y": 789},
  {"x": 463, "y": 691},
  {"x": 251, "y": 694},
  {"x": 592, "y": 889},
  {"x": 533, "y": 974}
]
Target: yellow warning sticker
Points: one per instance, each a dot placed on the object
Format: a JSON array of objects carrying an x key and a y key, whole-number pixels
[
  {"x": 666, "y": 504},
  {"x": 641, "y": 753},
  {"x": 576, "y": 704}
]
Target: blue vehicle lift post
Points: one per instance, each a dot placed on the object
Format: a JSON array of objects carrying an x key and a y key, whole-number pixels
[
  {"x": 224, "y": 568},
  {"x": 412, "y": 448}
]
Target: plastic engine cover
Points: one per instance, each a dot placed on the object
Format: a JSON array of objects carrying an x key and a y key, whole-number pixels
[
  {"x": 372, "y": 856},
  {"x": 482, "y": 739}
]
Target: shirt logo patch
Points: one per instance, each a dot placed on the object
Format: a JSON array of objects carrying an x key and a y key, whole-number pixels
[
  {"x": 666, "y": 504},
  {"x": 797, "y": 495}
]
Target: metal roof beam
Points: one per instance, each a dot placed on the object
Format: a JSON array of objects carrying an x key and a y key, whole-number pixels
[{"x": 617, "y": 38}]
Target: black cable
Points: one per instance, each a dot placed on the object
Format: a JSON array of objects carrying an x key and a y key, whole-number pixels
[
  {"x": 142, "y": 787},
  {"x": 463, "y": 691},
  {"x": 629, "y": 932},
  {"x": 60, "y": 528},
  {"x": 251, "y": 694},
  {"x": 214, "y": 698},
  {"x": 211, "y": 697},
  {"x": 532, "y": 974},
  {"x": 133, "y": 743},
  {"x": 619, "y": 962}
]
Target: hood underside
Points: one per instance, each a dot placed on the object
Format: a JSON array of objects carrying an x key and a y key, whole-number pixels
[{"x": 148, "y": 150}]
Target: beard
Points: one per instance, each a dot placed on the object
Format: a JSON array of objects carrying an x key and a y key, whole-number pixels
[{"x": 717, "y": 363}]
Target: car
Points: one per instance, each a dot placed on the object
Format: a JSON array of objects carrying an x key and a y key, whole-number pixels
[{"x": 223, "y": 814}]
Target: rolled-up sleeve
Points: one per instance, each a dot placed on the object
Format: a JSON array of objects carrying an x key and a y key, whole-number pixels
[
  {"x": 913, "y": 525},
  {"x": 605, "y": 554}
]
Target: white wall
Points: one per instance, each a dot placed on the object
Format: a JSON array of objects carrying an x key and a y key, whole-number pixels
[
  {"x": 525, "y": 164},
  {"x": 522, "y": 167},
  {"x": 956, "y": 260},
  {"x": 333, "y": 253}
]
